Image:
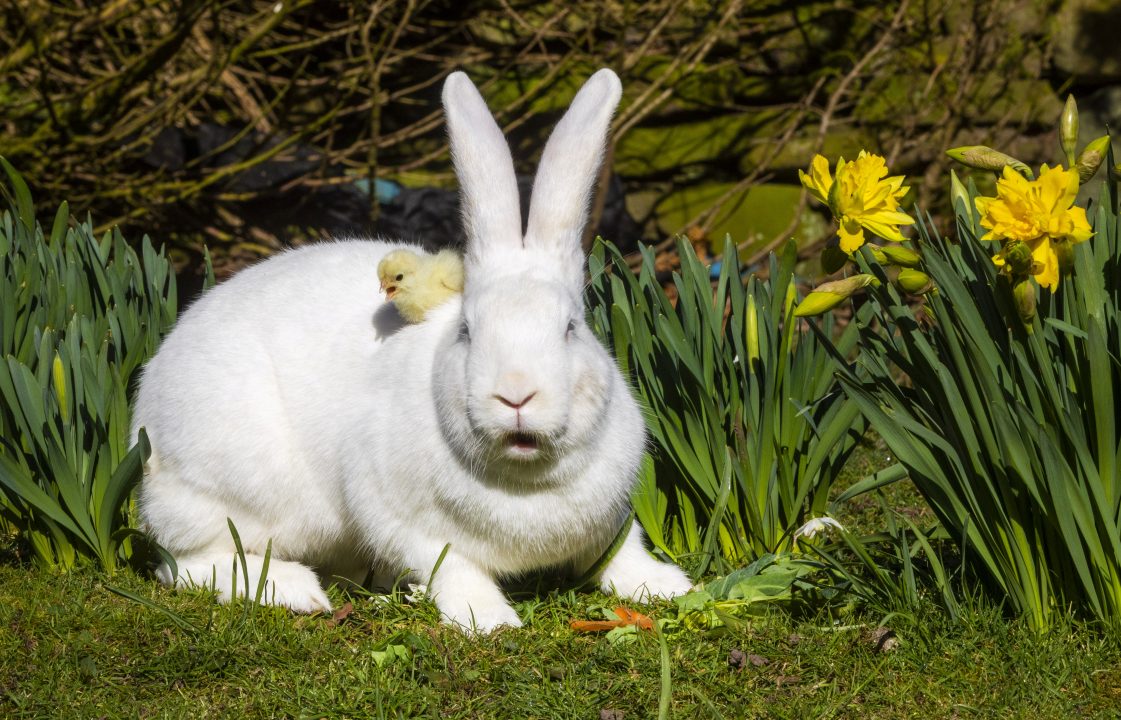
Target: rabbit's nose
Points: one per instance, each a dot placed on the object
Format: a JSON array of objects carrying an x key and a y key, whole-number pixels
[{"x": 515, "y": 404}]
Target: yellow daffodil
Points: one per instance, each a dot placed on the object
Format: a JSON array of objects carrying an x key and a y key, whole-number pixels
[
  {"x": 1038, "y": 214},
  {"x": 861, "y": 197}
]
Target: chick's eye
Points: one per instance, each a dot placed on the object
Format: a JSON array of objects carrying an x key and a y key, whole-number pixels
[{"x": 400, "y": 277}]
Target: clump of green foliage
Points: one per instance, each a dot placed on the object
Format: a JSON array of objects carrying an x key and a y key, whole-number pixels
[
  {"x": 749, "y": 426},
  {"x": 1011, "y": 436},
  {"x": 78, "y": 317},
  {"x": 1001, "y": 405}
]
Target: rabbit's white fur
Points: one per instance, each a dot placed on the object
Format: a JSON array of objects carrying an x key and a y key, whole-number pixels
[{"x": 294, "y": 401}]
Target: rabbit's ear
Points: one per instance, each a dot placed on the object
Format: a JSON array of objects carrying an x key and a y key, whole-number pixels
[
  {"x": 492, "y": 216},
  {"x": 567, "y": 175}
]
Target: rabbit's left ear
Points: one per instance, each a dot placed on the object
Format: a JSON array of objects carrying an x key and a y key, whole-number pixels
[{"x": 566, "y": 177}]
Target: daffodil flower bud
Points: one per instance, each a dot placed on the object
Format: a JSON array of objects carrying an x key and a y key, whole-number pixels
[
  {"x": 902, "y": 256},
  {"x": 1023, "y": 292},
  {"x": 958, "y": 194},
  {"x": 1064, "y": 251},
  {"x": 751, "y": 331},
  {"x": 1017, "y": 257},
  {"x": 818, "y": 303},
  {"x": 833, "y": 258},
  {"x": 1091, "y": 158},
  {"x": 58, "y": 377},
  {"x": 1068, "y": 129},
  {"x": 916, "y": 282},
  {"x": 829, "y": 295},
  {"x": 877, "y": 253},
  {"x": 985, "y": 158},
  {"x": 788, "y": 302}
]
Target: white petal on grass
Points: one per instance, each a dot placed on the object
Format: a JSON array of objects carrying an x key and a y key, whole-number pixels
[
  {"x": 816, "y": 525},
  {"x": 417, "y": 592}
]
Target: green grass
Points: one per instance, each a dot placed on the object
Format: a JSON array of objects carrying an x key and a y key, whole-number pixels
[{"x": 71, "y": 648}]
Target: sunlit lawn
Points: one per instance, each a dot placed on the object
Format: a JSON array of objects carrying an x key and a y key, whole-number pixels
[{"x": 69, "y": 647}]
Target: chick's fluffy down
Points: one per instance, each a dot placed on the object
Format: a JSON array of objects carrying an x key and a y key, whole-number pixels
[{"x": 417, "y": 282}]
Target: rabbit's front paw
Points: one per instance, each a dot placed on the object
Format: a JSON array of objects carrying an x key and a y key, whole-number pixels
[
  {"x": 634, "y": 574},
  {"x": 648, "y": 580},
  {"x": 287, "y": 584},
  {"x": 469, "y": 598},
  {"x": 295, "y": 587},
  {"x": 482, "y": 618}
]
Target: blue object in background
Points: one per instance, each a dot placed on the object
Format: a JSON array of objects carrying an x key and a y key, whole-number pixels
[{"x": 386, "y": 190}]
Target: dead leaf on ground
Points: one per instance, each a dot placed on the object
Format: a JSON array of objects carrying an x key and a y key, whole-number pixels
[
  {"x": 341, "y": 614},
  {"x": 626, "y": 617},
  {"x": 738, "y": 659},
  {"x": 882, "y": 640}
]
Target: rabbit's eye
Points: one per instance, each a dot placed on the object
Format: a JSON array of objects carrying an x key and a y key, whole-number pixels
[
  {"x": 571, "y": 329},
  {"x": 464, "y": 332}
]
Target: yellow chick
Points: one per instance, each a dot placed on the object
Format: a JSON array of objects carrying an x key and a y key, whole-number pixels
[{"x": 417, "y": 282}]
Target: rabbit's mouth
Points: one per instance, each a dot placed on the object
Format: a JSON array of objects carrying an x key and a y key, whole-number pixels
[{"x": 522, "y": 445}]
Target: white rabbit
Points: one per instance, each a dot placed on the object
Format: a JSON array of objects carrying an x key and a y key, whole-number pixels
[{"x": 294, "y": 401}]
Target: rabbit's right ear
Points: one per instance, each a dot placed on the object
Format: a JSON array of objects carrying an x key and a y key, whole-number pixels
[{"x": 492, "y": 215}]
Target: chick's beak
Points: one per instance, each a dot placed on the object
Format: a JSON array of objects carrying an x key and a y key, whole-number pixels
[{"x": 389, "y": 290}]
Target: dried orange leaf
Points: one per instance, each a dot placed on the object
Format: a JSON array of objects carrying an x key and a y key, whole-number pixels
[
  {"x": 633, "y": 617},
  {"x": 626, "y": 617},
  {"x": 595, "y": 625}
]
